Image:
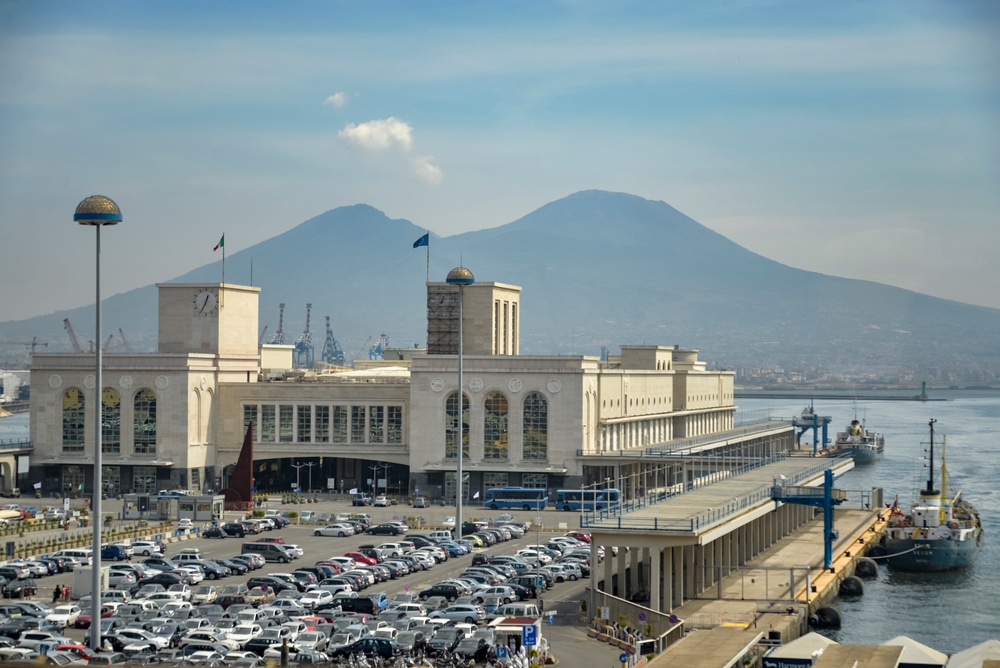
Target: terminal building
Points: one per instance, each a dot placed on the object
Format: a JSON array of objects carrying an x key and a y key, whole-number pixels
[{"x": 176, "y": 418}]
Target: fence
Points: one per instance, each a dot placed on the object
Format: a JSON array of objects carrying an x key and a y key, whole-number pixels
[{"x": 631, "y": 623}]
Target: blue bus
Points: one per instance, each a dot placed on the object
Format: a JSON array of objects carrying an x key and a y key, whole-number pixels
[
  {"x": 587, "y": 499},
  {"x": 525, "y": 498}
]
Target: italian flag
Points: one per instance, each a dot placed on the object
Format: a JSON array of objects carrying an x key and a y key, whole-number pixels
[{"x": 221, "y": 244}]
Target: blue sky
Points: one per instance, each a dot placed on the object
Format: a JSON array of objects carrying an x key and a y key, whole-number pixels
[{"x": 860, "y": 139}]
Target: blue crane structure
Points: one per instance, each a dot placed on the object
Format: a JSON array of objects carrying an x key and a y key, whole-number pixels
[
  {"x": 377, "y": 351},
  {"x": 809, "y": 420},
  {"x": 303, "y": 344},
  {"x": 332, "y": 352},
  {"x": 826, "y": 498}
]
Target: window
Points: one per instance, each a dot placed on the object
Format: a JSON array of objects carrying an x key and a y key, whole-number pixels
[
  {"x": 455, "y": 423},
  {"x": 535, "y": 480},
  {"x": 322, "y": 424},
  {"x": 376, "y": 424},
  {"x": 72, "y": 479},
  {"x": 449, "y": 485},
  {"x": 286, "y": 433},
  {"x": 111, "y": 421},
  {"x": 144, "y": 422},
  {"x": 357, "y": 424},
  {"x": 111, "y": 476},
  {"x": 536, "y": 426},
  {"x": 305, "y": 424},
  {"x": 250, "y": 415},
  {"x": 72, "y": 420},
  {"x": 492, "y": 480},
  {"x": 394, "y": 425},
  {"x": 495, "y": 417},
  {"x": 340, "y": 424},
  {"x": 144, "y": 480},
  {"x": 196, "y": 476},
  {"x": 266, "y": 424}
]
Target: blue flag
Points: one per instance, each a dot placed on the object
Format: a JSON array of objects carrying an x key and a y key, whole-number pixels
[{"x": 423, "y": 241}]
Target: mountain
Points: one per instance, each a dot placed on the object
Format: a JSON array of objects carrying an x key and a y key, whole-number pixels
[{"x": 598, "y": 269}]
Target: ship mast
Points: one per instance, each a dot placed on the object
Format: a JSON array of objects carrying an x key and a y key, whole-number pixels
[
  {"x": 944, "y": 479},
  {"x": 930, "y": 491}
]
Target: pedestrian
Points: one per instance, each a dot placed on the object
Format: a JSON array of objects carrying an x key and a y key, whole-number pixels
[{"x": 56, "y": 594}]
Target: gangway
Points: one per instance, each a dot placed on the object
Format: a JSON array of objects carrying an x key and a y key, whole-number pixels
[
  {"x": 825, "y": 497},
  {"x": 809, "y": 420}
]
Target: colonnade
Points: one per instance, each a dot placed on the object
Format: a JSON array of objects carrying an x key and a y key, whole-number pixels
[{"x": 663, "y": 570}]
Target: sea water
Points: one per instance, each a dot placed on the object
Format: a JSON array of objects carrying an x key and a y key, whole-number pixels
[{"x": 948, "y": 611}]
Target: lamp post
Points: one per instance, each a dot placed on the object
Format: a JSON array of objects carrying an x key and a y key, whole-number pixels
[
  {"x": 311, "y": 465},
  {"x": 97, "y": 211},
  {"x": 461, "y": 277},
  {"x": 298, "y": 485}
]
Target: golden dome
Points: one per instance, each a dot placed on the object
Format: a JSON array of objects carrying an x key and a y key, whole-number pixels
[
  {"x": 97, "y": 210},
  {"x": 460, "y": 275}
]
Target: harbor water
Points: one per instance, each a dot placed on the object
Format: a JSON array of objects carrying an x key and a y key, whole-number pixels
[{"x": 948, "y": 611}]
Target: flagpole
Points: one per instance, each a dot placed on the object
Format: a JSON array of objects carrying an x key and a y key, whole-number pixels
[
  {"x": 223, "y": 258},
  {"x": 427, "y": 277}
]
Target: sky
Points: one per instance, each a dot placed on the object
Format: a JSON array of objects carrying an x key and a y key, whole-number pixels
[{"x": 857, "y": 139}]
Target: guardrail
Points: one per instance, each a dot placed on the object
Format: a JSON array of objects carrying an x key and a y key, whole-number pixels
[
  {"x": 673, "y": 448},
  {"x": 16, "y": 444},
  {"x": 712, "y": 516}
]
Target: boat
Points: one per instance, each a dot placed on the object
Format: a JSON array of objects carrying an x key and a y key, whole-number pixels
[
  {"x": 937, "y": 534},
  {"x": 865, "y": 446}
]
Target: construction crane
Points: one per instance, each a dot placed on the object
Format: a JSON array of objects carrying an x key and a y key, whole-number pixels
[
  {"x": 72, "y": 336},
  {"x": 263, "y": 333},
  {"x": 111, "y": 346},
  {"x": 376, "y": 352},
  {"x": 332, "y": 352},
  {"x": 31, "y": 344},
  {"x": 279, "y": 336},
  {"x": 303, "y": 344}
]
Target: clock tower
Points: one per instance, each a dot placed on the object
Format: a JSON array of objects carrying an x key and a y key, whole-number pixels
[{"x": 213, "y": 318}]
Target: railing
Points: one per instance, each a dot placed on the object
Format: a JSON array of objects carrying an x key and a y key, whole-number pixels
[
  {"x": 16, "y": 444},
  {"x": 672, "y": 448},
  {"x": 708, "y": 518}
]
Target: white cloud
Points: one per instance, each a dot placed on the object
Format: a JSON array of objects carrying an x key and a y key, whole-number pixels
[
  {"x": 425, "y": 169},
  {"x": 379, "y": 135},
  {"x": 337, "y": 100}
]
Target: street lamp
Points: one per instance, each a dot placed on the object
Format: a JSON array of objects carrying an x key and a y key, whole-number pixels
[
  {"x": 461, "y": 277},
  {"x": 311, "y": 465},
  {"x": 97, "y": 211},
  {"x": 298, "y": 485}
]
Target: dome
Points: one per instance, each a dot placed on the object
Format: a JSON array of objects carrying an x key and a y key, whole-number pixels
[
  {"x": 97, "y": 210},
  {"x": 460, "y": 276}
]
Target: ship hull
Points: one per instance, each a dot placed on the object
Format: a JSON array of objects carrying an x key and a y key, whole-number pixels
[
  {"x": 865, "y": 455},
  {"x": 931, "y": 555}
]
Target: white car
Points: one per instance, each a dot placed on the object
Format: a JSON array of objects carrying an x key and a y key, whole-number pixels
[
  {"x": 244, "y": 633},
  {"x": 450, "y": 520},
  {"x": 342, "y": 530},
  {"x": 294, "y": 549},
  {"x": 316, "y": 597},
  {"x": 64, "y": 615},
  {"x": 193, "y": 573},
  {"x": 146, "y": 548},
  {"x": 180, "y": 591},
  {"x": 203, "y": 594},
  {"x": 381, "y": 501},
  {"x": 142, "y": 637}
]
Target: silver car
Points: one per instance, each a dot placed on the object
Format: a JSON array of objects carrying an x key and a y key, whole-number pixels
[{"x": 470, "y": 614}]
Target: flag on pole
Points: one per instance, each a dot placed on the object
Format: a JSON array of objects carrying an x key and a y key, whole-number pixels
[
  {"x": 38, "y": 485},
  {"x": 221, "y": 244},
  {"x": 476, "y": 495},
  {"x": 423, "y": 241}
]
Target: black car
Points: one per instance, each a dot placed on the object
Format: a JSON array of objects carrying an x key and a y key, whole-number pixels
[
  {"x": 412, "y": 642},
  {"x": 444, "y": 641},
  {"x": 388, "y": 529},
  {"x": 473, "y": 648},
  {"x": 20, "y": 588},
  {"x": 165, "y": 579},
  {"x": 370, "y": 647},
  {"x": 449, "y": 591},
  {"x": 277, "y": 584},
  {"x": 237, "y": 529},
  {"x": 213, "y": 532},
  {"x": 237, "y": 567}
]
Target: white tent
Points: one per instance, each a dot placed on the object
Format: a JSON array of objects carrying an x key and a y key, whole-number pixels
[
  {"x": 917, "y": 655},
  {"x": 975, "y": 655},
  {"x": 800, "y": 652}
]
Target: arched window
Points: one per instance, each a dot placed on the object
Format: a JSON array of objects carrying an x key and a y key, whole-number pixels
[
  {"x": 144, "y": 422},
  {"x": 495, "y": 417},
  {"x": 72, "y": 420},
  {"x": 111, "y": 421},
  {"x": 455, "y": 423},
  {"x": 536, "y": 426}
]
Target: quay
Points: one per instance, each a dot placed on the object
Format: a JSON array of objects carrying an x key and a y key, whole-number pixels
[{"x": 713, "y": 575}]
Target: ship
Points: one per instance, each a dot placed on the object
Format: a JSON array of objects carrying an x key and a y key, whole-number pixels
[
  {"x": 865, "y": 446},
  {"x": 937, "y": 534}
]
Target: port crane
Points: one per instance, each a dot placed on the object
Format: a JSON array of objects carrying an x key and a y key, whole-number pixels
[
  {"x": 31, "y": 344},
  {"x": 72, "y": 336},
  {"x": 279, "y": 336},
  {"x": 332, "y": 352},
  {"x": 377, "y": 351},
  {"x": 303, "y": 345}
]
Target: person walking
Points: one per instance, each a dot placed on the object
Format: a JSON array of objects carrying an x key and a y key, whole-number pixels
[{"x": 56, "y": 594}]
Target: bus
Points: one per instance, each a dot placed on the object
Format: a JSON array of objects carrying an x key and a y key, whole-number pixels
[
  {"x": 525, "y": 498},
  {"x": 587, "y": 499}
]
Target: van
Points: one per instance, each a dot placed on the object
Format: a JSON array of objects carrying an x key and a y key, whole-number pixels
[
  {"x": 269, "y": 551},
  {"x": 361, "y": 499},
  {"x": 188, "y": 555},
  {"x": 439, "y": 536},
  {"x": 364, "y": 605},
  {"x": 81, "y": 555},
  {"x": 518, "y": 610}
]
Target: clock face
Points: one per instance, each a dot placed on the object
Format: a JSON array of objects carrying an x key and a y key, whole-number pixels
[
  {"x": 71, "y": 398},
  {"x": 206, "y": 303},
  {"x": 110, "y": 397}
]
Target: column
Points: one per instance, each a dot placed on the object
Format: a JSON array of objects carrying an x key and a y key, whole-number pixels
[
  {"x": 654, "y": 580},
  {"x": 622, "y": 575},
  {"x": 633, "y": 576},
  {"x": 608, "y": 562},
  {"x": 677, "y": 556},
  {"x": 666, "y": 601},
  {"x": 688, "y": 592},
  {"x": 699, "y": 570}
]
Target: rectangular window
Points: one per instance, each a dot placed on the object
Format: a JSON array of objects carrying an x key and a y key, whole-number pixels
[
  {"x": 266, "y": 423},
  {"x": 111, "y": 476},
  {"x": 340, "y": 424},
  {"x": 144, "y": 479},
  {"x": 286, "y": 433},
  {"x": 394, "y": 426},
  {"x": 376, "y": 426},
  {"x": 491, "y": 480},
  {"x": 513, "y": 329},
  {"x": 496, "y": 326},
  {"x": 72, "y": 479},
  {"x": 322, "y": 424},
  {"x": 357, "y": 424},
  {"x": 535, "y": 480},
  {"x": 250, "y": 415},
  {"x": 304, "y": 424},
  {"x": 506, "y": 337},
  {"x": 196, "y": 479}
]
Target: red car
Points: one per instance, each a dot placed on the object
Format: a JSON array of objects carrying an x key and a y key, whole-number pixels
[
  {"x": 83, "y": 621},
  {"x": 81, "y": 651},
  {"x": 361, "y": 558},
  {"x": 580, "y": 535},
  {"x": 275, "y": 539},
  {"x": 331, "y": 564}
]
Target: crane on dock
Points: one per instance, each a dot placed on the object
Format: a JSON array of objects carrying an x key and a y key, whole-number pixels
[
  {"x": 72, "y": 336},
  {"x": 332, "y": 352},
  {"x": 377, "y": 351},
  {"x": 31, "y": 344},
  {"x": 303, "y": 345},
  {"x": 825, "y": 497},
  {"x": 263, "y": 333},
  {"x": 279, "y": 336}
]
